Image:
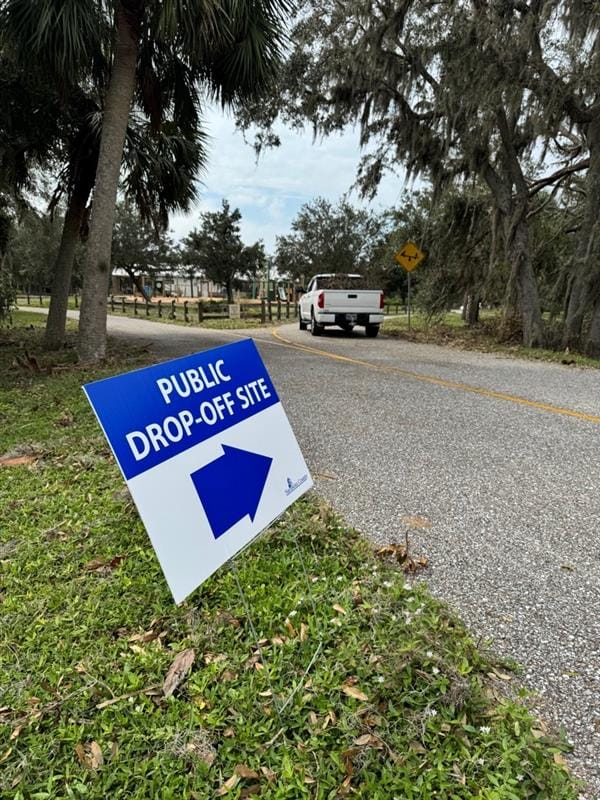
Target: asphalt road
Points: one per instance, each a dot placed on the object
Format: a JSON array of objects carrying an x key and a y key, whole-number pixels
[{"x": 501, "y": 456}]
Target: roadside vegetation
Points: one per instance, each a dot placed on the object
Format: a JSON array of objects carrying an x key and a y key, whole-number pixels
[
  {"x": 109, "y": 690},
  {"x": 488, "y": 336}
]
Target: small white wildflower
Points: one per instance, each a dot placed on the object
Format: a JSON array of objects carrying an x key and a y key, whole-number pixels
[
  {"x": 408, "y": 586},
  {"x": 481, "y": 762},
  {"x": 485, "y": 728},
  {"x": 293, "y": 613},
  {"x": 429, "y": 654},
  {"x": 435, "y": 670},
  {"x": 431, "y": 712},
  {"x": 387, "y": 584},
  {"x": 520, "y": 777},
  {"x": 379, "y": 679},
  {"x": 340, "y": 578}
]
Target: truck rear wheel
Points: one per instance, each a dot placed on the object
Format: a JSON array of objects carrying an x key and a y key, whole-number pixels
[
  {"x": 372, "y": 331},
  {"x": 315, "y": 328}
]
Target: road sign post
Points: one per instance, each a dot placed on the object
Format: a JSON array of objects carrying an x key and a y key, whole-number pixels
[
  {"x": 408, "y": 301},
  {"x": 207, "y": 452},
  {"x": 409, "y": 257}
]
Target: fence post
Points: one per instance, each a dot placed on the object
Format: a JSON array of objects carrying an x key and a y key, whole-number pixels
[
  {"x": 270, "y": 310},
  {"x": 200, "y": 311},
  {"x": 159, "y": 309},
  {"x": 279, "y": 309},
  {"x": 263, "y": 317},
  {"x": 41, "y": 301},
  {"x": 147, "y": 308},
  {"x": 135, "y": 306},
  {"x": 287, "y": 309},
  {"x": 76, "y": 301},
  {"x": 185, "y": 311},
  {"x": 28, "y": 298},
  {"x": 173, "y": 313},
  {"x": 112, "y": 302},
  {"x": 295, "y": 310}
]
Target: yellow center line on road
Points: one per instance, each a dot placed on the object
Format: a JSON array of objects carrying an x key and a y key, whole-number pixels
[{"x": 456, "y": 385}]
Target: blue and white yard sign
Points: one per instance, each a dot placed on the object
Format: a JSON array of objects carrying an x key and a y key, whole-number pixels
[{"x": 208, "y": 454}]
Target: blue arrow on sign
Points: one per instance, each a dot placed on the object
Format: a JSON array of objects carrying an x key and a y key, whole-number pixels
[{"x": 230, "y": 487}]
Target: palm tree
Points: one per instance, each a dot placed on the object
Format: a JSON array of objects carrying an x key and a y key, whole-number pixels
[
  {"x": 159, "y": 171},
  {"x": 230, "y": 46}
]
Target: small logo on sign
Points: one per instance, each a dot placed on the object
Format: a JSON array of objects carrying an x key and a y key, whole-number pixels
[{"x": 293, "y": 485}]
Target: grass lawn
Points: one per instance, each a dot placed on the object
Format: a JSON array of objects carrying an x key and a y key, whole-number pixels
[
  {"x": 452, "y": 332},
  {"x": 398, "y": 704}
]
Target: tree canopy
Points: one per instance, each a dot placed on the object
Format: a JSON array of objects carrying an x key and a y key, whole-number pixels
[{"x": 216, "y": 249}]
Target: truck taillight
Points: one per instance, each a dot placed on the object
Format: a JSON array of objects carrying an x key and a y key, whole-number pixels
[
  {"x": 321, "y": 300},
  {"x": 381, "y": 300}
]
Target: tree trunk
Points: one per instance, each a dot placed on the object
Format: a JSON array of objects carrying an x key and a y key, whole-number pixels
[
  {"x": 229, "y": 288},
  {"x": 471, "y": 308},
  {"x": 91, "y": 344},
  {"x": 54, "y": 336},
  {"x": 191, "y": 286},
  {"x": 592, "y": 346},
  {"x": 587, "y": 264},
  {"x": 136, "y": 279},
  {"x": 522, "y": 269}
]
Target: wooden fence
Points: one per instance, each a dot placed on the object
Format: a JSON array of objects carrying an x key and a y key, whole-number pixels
[{"x": 194, "y": 310}]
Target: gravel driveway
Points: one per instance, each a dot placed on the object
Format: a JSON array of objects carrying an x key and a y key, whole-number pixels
[{"x": 510, "y": 490}]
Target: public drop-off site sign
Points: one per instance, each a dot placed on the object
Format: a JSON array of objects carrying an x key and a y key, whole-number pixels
[{"x": 207, "y": 452}]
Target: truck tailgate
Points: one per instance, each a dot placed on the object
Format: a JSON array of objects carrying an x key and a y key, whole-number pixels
[{"x": 347, "y": 301}]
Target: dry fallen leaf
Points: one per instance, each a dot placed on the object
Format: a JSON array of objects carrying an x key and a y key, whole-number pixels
[
  {"x": 96, "y": 757},
  {"x": 178, "y": 670},
  {"x": 80, "y": 753},
  {"x": 103, "y": 564},
  {"x": 363, "y": 740},
  {"x": 417, "y": 521},
  {"x": 228, "y": 785},
  {"x": 16, "y": 733},
  {"x": 245, "y": 772},
  {"x": 352, "y": 691},
  {"x": 249, "y": 791},
  {"x": 560, "y": 760},
  {"x": 16, "y": 461},
  {"x": 339, "y": 609},
  {"x": 148, "y": 636},
  {"x": 268, "y": 773},
  {"x": 303, "y": 632}
]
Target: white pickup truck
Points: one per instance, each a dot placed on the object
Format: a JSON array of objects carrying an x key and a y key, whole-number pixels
[{"x": 336, "y": 299}]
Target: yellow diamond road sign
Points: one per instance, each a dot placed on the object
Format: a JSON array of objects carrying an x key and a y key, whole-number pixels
[{"x": 409, "y": 256}]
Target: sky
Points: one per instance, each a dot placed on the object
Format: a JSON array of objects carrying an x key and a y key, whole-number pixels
[{"x": 270, "y": 193}]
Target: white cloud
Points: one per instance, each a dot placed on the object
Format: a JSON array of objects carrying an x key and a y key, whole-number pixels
[{"x": 269, "y": 193}]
